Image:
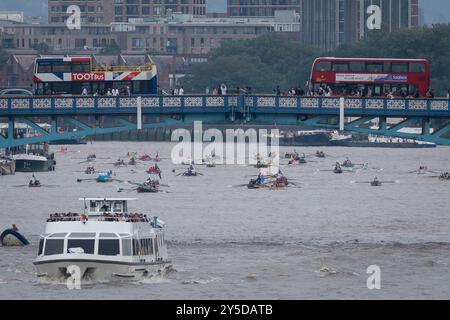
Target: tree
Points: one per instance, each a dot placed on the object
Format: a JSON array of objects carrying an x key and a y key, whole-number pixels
[
  {"x": 42, "y": 48},
  {"x": 261, "y": 63},
  {"x": 273, "y": 59},
  {"x": 3, "y": 56}
]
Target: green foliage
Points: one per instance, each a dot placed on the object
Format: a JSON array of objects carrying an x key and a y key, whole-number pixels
[
  {"x": 273, "y": 59},
  {"x": 262, "y": 64},
  {"x": 42, "y": 48},
  {"x": 3, "y": 56},
  {"x": 112, "y": 49}
]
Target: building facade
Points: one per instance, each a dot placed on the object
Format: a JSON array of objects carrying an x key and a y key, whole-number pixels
[
  {"x": 179, "y": 34},
  {"x": 92, "y": 11},
  {"x": 132, "y": 9},
  {"x": 396, "y": 14},
  {"x": 183, "y": 34},
  {"x": 260, "y": 8},
  {"x": 57, "y": 38},
  {"x": 108, "y": 11},
  {"x": 327, "y": 24}
]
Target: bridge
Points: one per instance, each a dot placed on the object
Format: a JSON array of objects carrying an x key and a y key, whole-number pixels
[{"x": 432, "y": 116}]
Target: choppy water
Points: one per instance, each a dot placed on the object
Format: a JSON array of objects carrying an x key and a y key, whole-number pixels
[{"x": 232, "y": 243}]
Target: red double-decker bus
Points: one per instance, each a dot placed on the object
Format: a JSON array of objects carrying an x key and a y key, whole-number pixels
[{"x": 371, "y": 77}]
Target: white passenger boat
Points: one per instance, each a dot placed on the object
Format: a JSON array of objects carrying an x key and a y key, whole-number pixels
[{"x": 106, "y": 242}]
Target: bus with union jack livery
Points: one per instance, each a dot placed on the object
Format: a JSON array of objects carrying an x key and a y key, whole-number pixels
[
  {"x": 371, "y": 76},
  {"x": 78, "y": 75}
]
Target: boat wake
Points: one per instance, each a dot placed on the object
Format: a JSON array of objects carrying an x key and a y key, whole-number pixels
[
  {"x": 159, "y": 279},
  {"x": 199, "y": 281}
]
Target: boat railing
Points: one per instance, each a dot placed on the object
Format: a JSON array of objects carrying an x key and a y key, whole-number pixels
[
  {"x": 106, "y": 217},
  {"x": 64, "y": 217}
]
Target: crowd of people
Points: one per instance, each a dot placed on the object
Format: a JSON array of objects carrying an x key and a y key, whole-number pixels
[
  {"x": 323, "y": 90},
  {"x": 109, "y": 92},
  {"x": 59, "y": 217}
]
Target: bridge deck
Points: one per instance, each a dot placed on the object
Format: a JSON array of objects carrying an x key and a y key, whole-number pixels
[
  {"x": 180, "y": 110},
  {"x": 221, "y": 104}
]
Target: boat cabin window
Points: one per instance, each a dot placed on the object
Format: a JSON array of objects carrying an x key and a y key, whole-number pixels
[
  {"x": 53, "y": 246},
  {"x": 118, "y": 207},
  {"x": 105, "y": 208},
  {"x": 146, "y": 247},
  {"x": 41, "y": 246},
  {"x": 58, "y": 235},
  {"x": 87, "y": 245},
  {"x": 82, "y": 235},
  {"x": 126, "y": 247},
  {"x": 124, "y": 234},
  {"x": 108, "y": 235},
  {"x": 135, "y": 248},
  {"x": 108, "y": 247},
  {"x": 93, "y": 206}
]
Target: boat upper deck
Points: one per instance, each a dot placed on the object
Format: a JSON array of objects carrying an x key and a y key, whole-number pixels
[{"x": 104, "y": 210}]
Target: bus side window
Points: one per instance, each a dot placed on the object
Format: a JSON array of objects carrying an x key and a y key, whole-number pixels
[
  {"x": 44, "y": 67},
  {"x": 340, "y": 66},
  {"x": 417, "y": 67},
  {"x": 399, "y": 67},
  {"x": 81, "y": 67},
  {"x": 357, "y": 66},
  {"x": 374, "y": 67},
  {"x": 323, "y": 66}
]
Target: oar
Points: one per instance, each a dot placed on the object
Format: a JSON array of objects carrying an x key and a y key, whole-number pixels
[
  {"x": 81, "y": 180},
  {"x": 240, "y": 185},
  {"x": 123, "y": 189}
]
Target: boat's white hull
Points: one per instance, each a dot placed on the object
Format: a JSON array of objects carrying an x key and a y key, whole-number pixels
[{"x": 96, "y": 271}]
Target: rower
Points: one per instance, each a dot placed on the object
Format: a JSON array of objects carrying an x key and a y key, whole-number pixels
[{"x": 260, "y": 179}]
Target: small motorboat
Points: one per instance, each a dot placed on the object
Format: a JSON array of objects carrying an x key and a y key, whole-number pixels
[{"x": 12, "y": 238}]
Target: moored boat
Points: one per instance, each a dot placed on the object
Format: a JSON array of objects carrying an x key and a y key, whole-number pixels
[{"x": 106, "y": 242}]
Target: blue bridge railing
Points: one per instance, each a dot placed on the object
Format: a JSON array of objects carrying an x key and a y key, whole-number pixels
[{"x": 212, "y": 104}]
